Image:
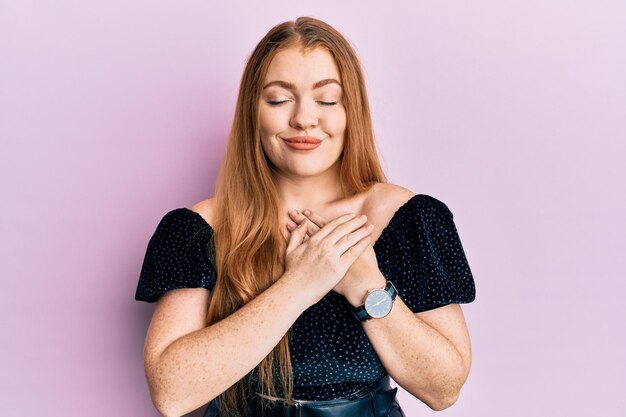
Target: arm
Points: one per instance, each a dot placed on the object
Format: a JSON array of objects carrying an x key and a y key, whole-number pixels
[
  {"x": 188, "y": 364},
  {"x": 428, "y": 353}
]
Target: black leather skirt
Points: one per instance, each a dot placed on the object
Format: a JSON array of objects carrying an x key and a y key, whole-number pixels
[{"x": 379, "y": 400}]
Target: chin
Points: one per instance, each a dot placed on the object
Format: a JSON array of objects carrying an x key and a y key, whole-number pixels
[{"x": 310, "y": 172}]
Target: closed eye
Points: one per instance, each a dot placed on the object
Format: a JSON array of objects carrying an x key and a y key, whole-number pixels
[{"x": 323, "y": 103}]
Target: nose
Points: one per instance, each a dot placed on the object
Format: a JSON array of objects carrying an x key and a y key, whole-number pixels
[{"x": 304, "y": 115}]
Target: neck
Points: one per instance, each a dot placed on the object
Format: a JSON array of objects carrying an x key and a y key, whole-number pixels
[{"x": 313, "y": 192}]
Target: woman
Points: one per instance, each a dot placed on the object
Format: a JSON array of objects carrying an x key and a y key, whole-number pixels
[{"x": 307, "y": 280}]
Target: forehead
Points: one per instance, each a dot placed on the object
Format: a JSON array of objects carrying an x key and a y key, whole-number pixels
[{"x": 302, "y": 68}]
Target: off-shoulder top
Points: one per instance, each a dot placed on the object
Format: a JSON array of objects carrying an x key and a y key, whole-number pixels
[{"x": 419, "y": 251}]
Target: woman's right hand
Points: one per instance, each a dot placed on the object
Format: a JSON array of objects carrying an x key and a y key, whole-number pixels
[{"x": 320, "y": 262}]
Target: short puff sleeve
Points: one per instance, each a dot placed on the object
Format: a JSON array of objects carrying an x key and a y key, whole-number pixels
[
  {"x": 431, "y": 269},
  {"x": 179, "y": 255}
]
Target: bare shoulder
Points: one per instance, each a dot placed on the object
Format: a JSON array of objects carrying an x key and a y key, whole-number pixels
[
  {"x": 382, "y": 202},
  {"x": 385, "y": 199},
  {"x": 206, "y": 209}
]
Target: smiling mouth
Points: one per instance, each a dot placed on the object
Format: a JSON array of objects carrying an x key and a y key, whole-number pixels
[
  {"x": 302, "y": 145},
  {"x": 303, "y": 139}
]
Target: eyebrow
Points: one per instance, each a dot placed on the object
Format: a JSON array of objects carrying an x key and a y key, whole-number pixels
[{"x": 290, "y": 86}]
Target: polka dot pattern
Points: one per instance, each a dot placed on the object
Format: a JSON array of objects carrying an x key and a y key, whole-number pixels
[
  {"x": 176, "y": 256},
  {"x": 419, "y": 251}
]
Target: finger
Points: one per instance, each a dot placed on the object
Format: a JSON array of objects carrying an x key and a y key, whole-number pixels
[
  {"x": 296, "y": 238},
  {"x": 318, "y": 220},
  {"x": 349, "y": 239},
  {"x": 298, "y": 218},
  {"x": 350, "y": 226},
  {"x": 292, "y": 226},
  {"x": 286, "y": 233},
  {"x": 353, "y": 252},
  {"x": 331, "y": 225}
]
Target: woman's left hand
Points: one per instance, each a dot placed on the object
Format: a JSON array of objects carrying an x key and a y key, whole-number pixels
[{"x": 362, "y": 276}]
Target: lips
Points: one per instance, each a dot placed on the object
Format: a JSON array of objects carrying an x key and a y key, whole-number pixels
[
  {"x": 303, "y": 143},
  {"x": 303, "y": 139}
]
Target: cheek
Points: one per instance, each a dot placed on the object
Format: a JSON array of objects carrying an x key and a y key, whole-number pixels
[
  {"x": 336, "y": 122},
  {"x": 270, "y": 122},
  {"x": 268, "y": 131}
]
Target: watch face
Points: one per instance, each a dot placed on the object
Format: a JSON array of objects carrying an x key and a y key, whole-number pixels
[{"x": 378, "y": 303}]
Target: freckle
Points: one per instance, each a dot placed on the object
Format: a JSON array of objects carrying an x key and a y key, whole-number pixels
[{"x": 418, "y": 240}]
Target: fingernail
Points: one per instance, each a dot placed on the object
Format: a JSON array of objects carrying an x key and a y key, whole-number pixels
[{"x": 307, "y": 212}]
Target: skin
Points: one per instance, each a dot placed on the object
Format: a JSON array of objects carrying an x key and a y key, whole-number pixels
[
  {"x": 188, "y": 363},
  {"x": 428, "y": 353},
  {"x": 304, "y": 177}
]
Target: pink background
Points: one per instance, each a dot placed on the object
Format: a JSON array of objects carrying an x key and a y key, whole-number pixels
[{"x": 512, "y": 113}]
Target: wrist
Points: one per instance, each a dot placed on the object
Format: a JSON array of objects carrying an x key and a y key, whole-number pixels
[
  {"x": 298, "y": 292},
  {"x": 377, "y": 304},
  {"x": 357, "y": 297}
]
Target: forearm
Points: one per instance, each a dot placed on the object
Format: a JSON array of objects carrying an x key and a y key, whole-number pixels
[
  {"x": 201, "y": 365},
  {"x": 418, "y": 357}
]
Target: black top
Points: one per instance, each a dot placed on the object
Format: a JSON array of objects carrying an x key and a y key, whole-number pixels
[{"x": 419, "y": 251}]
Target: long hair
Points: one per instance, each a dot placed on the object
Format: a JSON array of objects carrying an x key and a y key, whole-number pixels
[{"x": 249, "y": 247}]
